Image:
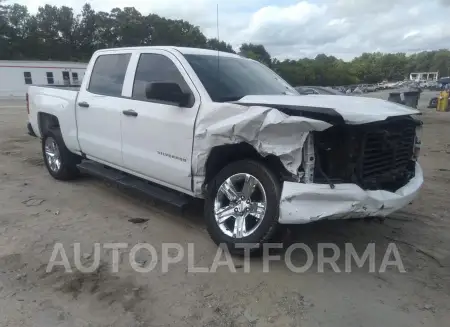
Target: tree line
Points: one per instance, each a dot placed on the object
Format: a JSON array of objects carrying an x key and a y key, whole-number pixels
[{"x": 57, "y": 33}]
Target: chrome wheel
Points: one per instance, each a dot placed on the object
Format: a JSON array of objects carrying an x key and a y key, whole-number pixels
[
  {"x": 240, "y": 205},
  {"x": 52, "y": 154}
]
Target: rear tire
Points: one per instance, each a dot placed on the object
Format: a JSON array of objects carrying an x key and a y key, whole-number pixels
[
  {"x": 223, "y": 211},
  {"x": 60, "y": 162}
]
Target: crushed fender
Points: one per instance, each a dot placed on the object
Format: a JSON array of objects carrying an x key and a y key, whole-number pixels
[{"x": 268, "y": 130}]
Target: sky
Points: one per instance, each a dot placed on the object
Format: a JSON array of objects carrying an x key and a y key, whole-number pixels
[{"x": 293, "y": 29}]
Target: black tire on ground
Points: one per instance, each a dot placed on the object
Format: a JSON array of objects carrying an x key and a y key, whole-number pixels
[
  {"x": 68, "y": 169},
  {"x": 269, "y": 227}
]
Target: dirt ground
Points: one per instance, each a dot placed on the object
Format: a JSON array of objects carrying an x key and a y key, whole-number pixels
[{"x": 36, "y": 212}]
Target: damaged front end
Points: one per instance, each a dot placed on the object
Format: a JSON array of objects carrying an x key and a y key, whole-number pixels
[
  {"x": 341, "y": 162},
  {"x": 364, "y": 167},
  {"x": 375, "y": 156}
]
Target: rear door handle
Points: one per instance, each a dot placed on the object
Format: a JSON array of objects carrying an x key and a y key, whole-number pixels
[
  {"x": 83, "y": 104},
  {"x": 130, "y": 113}
]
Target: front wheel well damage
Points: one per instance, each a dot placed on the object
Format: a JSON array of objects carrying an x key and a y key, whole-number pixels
[
  {"x": 223, "y": 155},
  {"x": 47, "y": 122}
]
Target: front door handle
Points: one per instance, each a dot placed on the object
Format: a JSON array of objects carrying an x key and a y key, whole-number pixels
[
  {"x": 83, "y": 104},
  {"x": 130, "y": 113}
]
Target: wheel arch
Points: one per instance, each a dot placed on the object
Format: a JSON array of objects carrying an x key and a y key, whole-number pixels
[
  {"x": 221, "y": 156},
  {"x": 46, "y": 122}
]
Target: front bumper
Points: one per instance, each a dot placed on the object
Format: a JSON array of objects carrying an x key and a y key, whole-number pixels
[{"x": 305, "y": 203}]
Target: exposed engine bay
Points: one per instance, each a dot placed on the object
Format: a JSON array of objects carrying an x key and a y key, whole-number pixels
[{"x": 374, "y": 156}]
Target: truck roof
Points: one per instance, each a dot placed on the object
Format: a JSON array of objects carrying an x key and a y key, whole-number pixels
[{"x": 183, "y": 50}]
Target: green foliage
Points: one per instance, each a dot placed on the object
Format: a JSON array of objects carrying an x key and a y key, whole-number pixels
[
  {"x": 256, "y": 52},
  {"x": 56, "y": 33},
  {"x": 215, "y": 44},
  {"x": 3, "y": 26},
  {"x": 367, "y": 68}
]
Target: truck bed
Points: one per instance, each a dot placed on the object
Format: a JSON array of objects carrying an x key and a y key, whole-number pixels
[
  {"x": 57, "y": 100},
  {"x": 64, "y": 87}
]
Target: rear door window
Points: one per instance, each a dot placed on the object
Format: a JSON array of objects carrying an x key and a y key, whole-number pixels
[{"x": 108, "y": 74}]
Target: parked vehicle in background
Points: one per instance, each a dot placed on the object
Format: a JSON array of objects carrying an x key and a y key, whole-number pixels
[
  {"x": 433, "y": 86},
  {"x": 371, "y": 88},
  {"x": 381, "y": 86},
  {"x": 362, "y": 88},
  {"x": 172, "y": 123},
  {"x": 305, "y": 90},
  {"x": 358, "y": 90},
  {"x": 392, "y": 85}
]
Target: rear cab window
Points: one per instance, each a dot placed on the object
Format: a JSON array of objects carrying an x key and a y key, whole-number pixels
[{"x": 108, "y": 74}]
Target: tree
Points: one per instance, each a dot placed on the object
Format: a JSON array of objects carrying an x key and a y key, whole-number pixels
[
  {"x": 441, "y": 62},
  {"x": 17, "y": 30},
  {"x": 215, "y": 44},
  {"x": 3, "y": 30},
  {"x": 2, "y": 16},
  {"x": 56, "y": 33},
  {"x": 85, "y": 34},
  {"x": 175, "y": 32},
  {"x": 256, "y": 52}
]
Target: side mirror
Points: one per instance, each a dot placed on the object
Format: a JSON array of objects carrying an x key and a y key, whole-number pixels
[{"x": 168, "y": 92}]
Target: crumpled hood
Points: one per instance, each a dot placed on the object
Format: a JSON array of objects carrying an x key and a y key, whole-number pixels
[{"x": 332, "y": 108}]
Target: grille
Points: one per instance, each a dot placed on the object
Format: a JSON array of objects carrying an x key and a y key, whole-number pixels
[
  {"x": 375, "y": 156},
  {"x": 386, "y": 161}
]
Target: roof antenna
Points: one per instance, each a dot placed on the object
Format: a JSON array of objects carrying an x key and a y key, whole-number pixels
[{"x": 218, "y": 43}]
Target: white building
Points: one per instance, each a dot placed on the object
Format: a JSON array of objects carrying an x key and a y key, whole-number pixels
[
  {"x": 425, "y": 76},
  {"x": 17, "y": 75}
]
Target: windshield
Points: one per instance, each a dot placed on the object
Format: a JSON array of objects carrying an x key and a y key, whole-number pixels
[{"x": 230, "y": 78}]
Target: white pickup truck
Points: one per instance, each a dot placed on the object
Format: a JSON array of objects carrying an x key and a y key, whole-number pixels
[{"x": 181, "y": 122}]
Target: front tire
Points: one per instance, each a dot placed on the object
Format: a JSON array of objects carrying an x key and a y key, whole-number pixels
[
  {"x": 242, "y": 206},
  {"x": 60, "y": 162}
]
